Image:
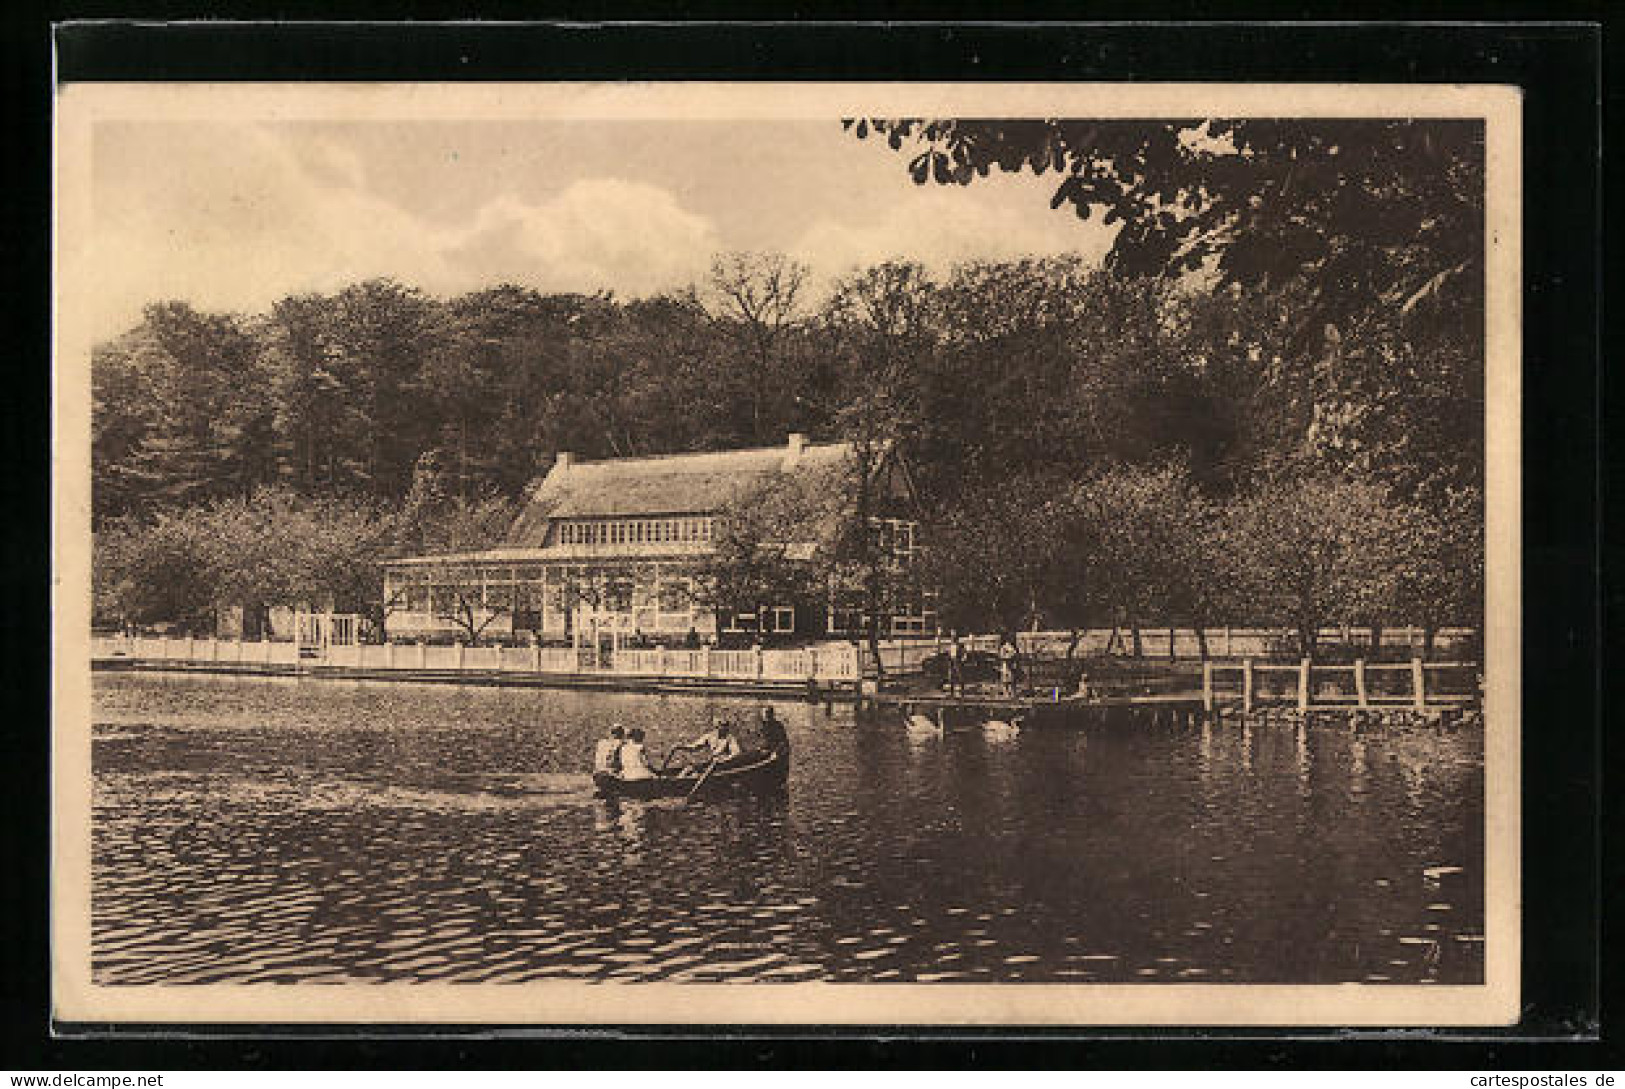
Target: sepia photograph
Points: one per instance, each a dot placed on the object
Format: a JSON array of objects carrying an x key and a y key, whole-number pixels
[{"x": 933, "y": 554}]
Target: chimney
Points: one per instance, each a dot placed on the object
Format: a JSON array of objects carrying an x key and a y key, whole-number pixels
[
  {"x": 793, "y": 450},
  {"x": 564, "y": 461}
]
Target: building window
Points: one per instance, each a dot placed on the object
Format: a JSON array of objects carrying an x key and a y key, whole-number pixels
[
  {"x": 846, "y": 619},
  {"x": 784, "y": 618}
]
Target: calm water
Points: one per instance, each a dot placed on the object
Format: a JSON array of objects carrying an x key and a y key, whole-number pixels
[{"x": 261, "y": 830}]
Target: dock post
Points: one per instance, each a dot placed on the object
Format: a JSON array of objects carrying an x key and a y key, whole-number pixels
[
  {"x": 1207, "y": 687},
  {"x": 1418, "y": 684},
  {"x": 535, "y": 653},
  {"x": 389, "y": 655},
  {"x": 1247, "y": 686},
  {"x": 705, "y": 660},
  {"x": 1359, "y": 682},
  {"x": 423, "y": 654},
  {"x": 1303, "y": 684},
  {"x": 457, "y": 655}
]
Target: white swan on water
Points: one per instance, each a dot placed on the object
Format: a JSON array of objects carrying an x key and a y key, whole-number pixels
[
  {"x": 999, "y": 730},
  {"x": 921, "y": 725}
]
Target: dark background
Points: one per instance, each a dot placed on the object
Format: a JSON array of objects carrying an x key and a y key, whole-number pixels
[{"x": 1560, "y": 65}]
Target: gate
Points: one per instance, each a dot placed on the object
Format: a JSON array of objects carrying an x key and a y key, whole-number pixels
[{"x": 315, "y": 632}]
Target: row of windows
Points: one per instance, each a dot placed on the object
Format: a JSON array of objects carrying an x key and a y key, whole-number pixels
[
  {"x": 777, "y": 618},
  {"x": 671, "y": 595},
  {"x": 636, "y": 531}
]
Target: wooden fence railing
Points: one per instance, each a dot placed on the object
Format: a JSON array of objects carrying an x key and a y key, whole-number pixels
[
  {"x": 826, "y": 662},
  {"x": 1306, "y": 684}
]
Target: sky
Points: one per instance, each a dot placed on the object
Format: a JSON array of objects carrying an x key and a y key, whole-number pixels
[{"x": 233, "y": 216}]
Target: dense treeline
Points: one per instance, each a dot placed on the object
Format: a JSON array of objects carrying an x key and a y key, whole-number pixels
[{"x": 1290, "y": 442}]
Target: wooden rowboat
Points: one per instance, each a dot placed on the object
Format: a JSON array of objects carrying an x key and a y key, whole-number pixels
[{"x": 765, "y": 772}]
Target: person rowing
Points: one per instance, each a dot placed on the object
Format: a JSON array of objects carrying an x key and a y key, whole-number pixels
[{"x": 717, "y": 745}]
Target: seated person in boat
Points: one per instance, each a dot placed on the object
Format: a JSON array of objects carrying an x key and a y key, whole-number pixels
[
  {"x": 774, "y": 738},
  {"x": 717, "y": 745},
  {"x": 634, "y": 758},
  {"x": 606, "y": 755}
]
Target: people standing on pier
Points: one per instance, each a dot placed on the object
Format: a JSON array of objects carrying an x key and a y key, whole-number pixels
[
  {"x": 634, "y": 758},
  {"x": 956, "y": 665},
  {"x": 606, "y": 755},
  {"x": 1007, "y": 665}
]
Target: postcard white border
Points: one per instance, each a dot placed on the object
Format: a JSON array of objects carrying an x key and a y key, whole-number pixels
[{"x": 79, "y": 107}]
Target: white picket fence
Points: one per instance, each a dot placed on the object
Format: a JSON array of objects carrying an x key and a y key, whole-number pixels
[
  {"x": 191, "y": 650},
  {"x": 826, "y": 662}
]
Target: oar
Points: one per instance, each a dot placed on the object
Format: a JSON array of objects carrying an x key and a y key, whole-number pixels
[{"x": 703, "y": 777}]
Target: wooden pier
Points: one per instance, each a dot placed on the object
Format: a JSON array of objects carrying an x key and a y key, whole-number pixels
[
  {"x": 1301, "y": 694},
  {"x": 1189, "y": 700},
  {"x": 1246, "y": 688}
]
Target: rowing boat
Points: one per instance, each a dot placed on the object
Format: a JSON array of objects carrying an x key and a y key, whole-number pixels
[{"x": 763, "y": 772}]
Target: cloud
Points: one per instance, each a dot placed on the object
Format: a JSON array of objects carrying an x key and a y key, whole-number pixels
[
  {"x": 941, "y": 226},
  {"x": 597, "y": 233},
  {"x": 235, "y": 218}
]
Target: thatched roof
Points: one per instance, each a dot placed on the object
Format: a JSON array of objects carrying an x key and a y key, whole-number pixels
[{"x": 673, "y": 484}]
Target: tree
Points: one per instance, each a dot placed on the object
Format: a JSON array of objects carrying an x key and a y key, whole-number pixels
[
  {"x": 155, "y": 573},
  {"x": 993, "y": 552},
  {"x": 273, "y": 547},
  {"x": 122, "y": 415},
  {"x": 756, "y": 299},
  {"x": 1368, "y": 233},
  {"x": 1440, "y": 570},
  {"x": 382, "y": 334},
  {"x": 1314, "y": 551},
  {"x": 1137, "y": 545},
  {"x": 309, "y": 391},
  {"x": 778, "y": 542},
  {"x": 195, "y": 426},
  {"x": 1369, "y": 209},
  {"x": 879, "y": 333}
]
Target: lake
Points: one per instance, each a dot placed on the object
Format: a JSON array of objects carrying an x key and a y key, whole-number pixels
[{"x": 299, "y": 830}]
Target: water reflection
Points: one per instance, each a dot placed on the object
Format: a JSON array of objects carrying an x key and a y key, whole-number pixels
[{"x": 318, "y": 832}]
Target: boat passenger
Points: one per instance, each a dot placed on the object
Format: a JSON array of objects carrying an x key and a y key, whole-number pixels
[
  {"x": 634, "y": 759},
  {"x": 774, "y": 738},
  {"x": 606, "y": 755}
]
